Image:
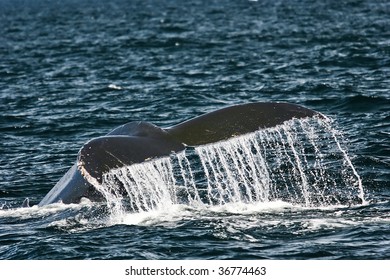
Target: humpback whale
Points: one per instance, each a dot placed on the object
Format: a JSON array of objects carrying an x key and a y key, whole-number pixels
[{"x": 137, "y": 142}]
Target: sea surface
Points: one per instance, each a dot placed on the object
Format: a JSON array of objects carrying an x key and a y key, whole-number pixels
[{"x": 72, "y": 70}]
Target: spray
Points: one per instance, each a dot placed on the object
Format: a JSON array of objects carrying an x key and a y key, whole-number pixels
[{"x": 300, "y": 162}]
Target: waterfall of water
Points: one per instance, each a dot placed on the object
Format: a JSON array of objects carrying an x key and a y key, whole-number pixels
[{"x": 300, "y": 162}]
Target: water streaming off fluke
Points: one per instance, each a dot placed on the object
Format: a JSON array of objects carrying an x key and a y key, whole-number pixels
[{"x": 300, "y": 162}]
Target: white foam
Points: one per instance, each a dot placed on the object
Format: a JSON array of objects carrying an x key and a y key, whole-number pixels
[
  {"x": 112, "y": 86},
  {"x": 41, "y": 211},
  {"x": 176, "y": 213}
]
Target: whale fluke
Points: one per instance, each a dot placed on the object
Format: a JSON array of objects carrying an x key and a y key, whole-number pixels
[
  {"x": 128, "y": 144},
  {"x": 136, "y": 142},
  {"x": 236, "y": 120}
]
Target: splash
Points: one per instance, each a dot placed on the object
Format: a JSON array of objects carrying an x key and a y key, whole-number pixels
[{"x": 301, "y": 162}]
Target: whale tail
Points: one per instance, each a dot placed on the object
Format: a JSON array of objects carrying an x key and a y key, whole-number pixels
[
  {"x": 136, "y": 142},
  {"x": 236, "y": 120}
]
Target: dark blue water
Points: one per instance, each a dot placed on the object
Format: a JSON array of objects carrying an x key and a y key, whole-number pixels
[{"x": 73, "y": 70}]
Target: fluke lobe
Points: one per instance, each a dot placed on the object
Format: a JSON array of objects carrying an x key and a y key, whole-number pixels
[{"x": 136, "y": 142}]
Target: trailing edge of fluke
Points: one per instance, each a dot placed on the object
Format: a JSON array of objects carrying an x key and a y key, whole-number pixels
[{"x": 136, "y": 142}]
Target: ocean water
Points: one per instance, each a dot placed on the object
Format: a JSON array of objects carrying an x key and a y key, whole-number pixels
[{"x": 73, "y": 70}]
